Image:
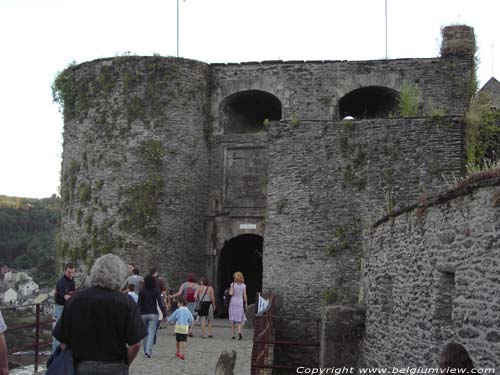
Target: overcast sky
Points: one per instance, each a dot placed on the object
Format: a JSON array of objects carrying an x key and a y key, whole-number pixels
[{"x": 39, "y": 38}]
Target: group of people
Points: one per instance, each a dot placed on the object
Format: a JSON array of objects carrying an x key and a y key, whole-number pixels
[{"x": 105, "y": 323}]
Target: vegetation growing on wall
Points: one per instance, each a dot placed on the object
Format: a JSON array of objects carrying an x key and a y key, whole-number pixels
[
  {"x": 409, "y": 100},
  {"x": 68, "y": 182},
  {"x": 140, "y": 208},
  {"x": 70, "y": 94},
  {"x": 482, "y": 134},
  {"x": 339, "y": 243},
  {"x": 151, "y": 150}
]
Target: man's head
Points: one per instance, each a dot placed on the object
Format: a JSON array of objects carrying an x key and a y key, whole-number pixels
[
  {"x": 69, "y": 270},
  {"x": 135, "y": 271},
  {"x": 108, "y": 272},
  {"x": 131, "y": 267}
]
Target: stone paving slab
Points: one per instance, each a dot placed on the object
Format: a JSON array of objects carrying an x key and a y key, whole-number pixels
[{"x": 201, "y": 354}]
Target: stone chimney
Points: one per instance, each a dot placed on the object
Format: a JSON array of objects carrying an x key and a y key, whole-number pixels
[{"x": 458, "y": 40}]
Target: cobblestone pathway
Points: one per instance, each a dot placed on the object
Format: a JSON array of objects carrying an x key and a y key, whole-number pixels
[{"x": 201, "y": 356}]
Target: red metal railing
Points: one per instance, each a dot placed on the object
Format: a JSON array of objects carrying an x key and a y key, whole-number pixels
[
  {"x": 265, "y": 340},
  {"x": 37, "y": 344}
]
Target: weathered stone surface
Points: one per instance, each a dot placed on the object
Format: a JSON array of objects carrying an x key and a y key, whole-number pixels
[
  {"x": 454, "y": 296},
  {"x": 226, "y": 363}
]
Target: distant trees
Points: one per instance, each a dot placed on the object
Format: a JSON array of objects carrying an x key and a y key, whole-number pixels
[{"x": 27, "y": 231}]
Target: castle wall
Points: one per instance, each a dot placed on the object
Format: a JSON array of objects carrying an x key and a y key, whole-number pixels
[
  {"x": 432, "y": 277},
  {"x": 135, "y": 163},
  {"x": 311, "y": 90},
  {"x": 330, "y": 180}
]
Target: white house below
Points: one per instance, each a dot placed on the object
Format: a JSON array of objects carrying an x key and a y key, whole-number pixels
[{"x": 10, "y": 296}]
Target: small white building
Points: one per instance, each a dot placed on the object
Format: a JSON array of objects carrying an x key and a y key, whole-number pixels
[
  {"x": 8, "y": 276},
  {"x": 28, "y": 287},
  {"x": 10, "y": 296}
]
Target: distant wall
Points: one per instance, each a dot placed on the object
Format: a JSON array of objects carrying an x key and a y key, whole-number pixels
[
  {"x": 311, "y": 90},
  {"x": 431, "y": 277}
]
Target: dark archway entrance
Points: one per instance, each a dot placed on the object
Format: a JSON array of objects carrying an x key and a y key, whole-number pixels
[
  {"x": 242, "y": 253},
  {"x": 246, "y": 111},
  {"x": 369, "y": 102}
]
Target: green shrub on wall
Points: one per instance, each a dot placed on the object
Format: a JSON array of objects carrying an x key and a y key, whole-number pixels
[
  {"x": 409, "y": 100},
  {"x": 152, "y": 151},
  {"x": 482, "y": 134},
  {"x": 140, "y": 208}
]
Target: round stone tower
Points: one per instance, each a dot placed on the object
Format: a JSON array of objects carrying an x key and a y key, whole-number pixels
[{"x": 135, "y": 165}]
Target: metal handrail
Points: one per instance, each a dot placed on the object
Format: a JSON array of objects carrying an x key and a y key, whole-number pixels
[{"x": 37, "y": 324}]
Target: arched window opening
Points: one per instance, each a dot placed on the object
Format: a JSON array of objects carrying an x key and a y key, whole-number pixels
[
  {"x": 369, "y": 102},
  {"x": 246, "y": 111}
]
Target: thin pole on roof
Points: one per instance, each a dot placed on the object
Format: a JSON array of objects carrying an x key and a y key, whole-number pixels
[
  {"x": 492, "y": 60},
  {"x": 177, "y": 28},
  {"x": 386, "y": 29}
]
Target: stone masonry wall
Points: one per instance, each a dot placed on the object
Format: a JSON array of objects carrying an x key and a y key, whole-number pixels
[
  {"x": 330, "y": 180},
  {"x": 135, "y": 163},
  {"x": 431, "y": 277},
  {"x": 311, "y": 90}
]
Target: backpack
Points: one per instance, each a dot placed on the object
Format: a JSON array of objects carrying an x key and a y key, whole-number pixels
[
  {"x": 227, "y": 297},
  {"x": 190, "y": 294}
]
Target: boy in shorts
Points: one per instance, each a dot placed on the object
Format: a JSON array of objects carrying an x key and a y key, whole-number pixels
[{"x": 183, "y": 319}]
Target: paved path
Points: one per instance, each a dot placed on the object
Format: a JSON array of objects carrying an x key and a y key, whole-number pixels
[{"x": 201, "y": 356}]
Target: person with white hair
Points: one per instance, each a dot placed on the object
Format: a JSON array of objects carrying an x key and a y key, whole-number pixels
[{"x": 102, "y": 326}]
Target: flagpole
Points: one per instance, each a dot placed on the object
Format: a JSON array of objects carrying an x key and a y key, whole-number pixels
[
  {"x": 386, "y": 29},
  {"x": 178, "y": 28}
]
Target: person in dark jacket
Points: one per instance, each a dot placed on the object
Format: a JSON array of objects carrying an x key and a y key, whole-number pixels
[
  {"x": 149, "y": 299},
  {"x": 101, "y": 325},
  {"x": 65, "y": 288}
]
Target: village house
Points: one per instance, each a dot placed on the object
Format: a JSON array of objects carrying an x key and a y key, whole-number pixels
[{"x": 10, "y": 296}]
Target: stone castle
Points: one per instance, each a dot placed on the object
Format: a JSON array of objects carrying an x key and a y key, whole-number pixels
[{"x": 217, "y": 168}]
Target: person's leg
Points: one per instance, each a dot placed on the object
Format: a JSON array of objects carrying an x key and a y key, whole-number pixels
[
  {"x": 153, "y": 319},
  {"x": 239, "y": 332},
  {"x": 232, "y": 328},
  {"x": 156, "y": 330},
  {"x": 177, "y": 346},
  {"x": 145, "y": 339},
  {"x": 210, "y": 328},
  {"x": 58, "y": 309},
  {"x": 202, "y": 326}
]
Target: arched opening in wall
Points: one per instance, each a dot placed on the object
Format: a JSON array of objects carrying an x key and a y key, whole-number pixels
[
  {"x": 369, "y": 102},
  {"x": 244, "y": 254},
  {"x": 246, "y": 111}
]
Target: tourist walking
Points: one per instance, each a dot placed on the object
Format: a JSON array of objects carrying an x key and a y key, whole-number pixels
[
  {"x": 149, "y": 301},
  {"x": 65, "y": 288},
  {"x": 101, "y": 325},
  {"x": 188, "y": 290},
  {"x": 237, "y": 306},
  {"x": 183, "y": 320},
  {"x": 135, "y": 279},
  {"x": 205, "y": 299}
]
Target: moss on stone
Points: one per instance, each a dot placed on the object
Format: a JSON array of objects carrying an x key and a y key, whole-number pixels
[{"x": 140, "y": 208}]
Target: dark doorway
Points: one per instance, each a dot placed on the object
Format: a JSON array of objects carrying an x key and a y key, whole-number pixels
[
  {"x": 369, "y": 102},
  {"x": 246, "y": 111},
  {"x": 244, "y": 254}
]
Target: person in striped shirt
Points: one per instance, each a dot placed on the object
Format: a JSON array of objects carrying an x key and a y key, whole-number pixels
[{"x": 183, "y": 319}]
